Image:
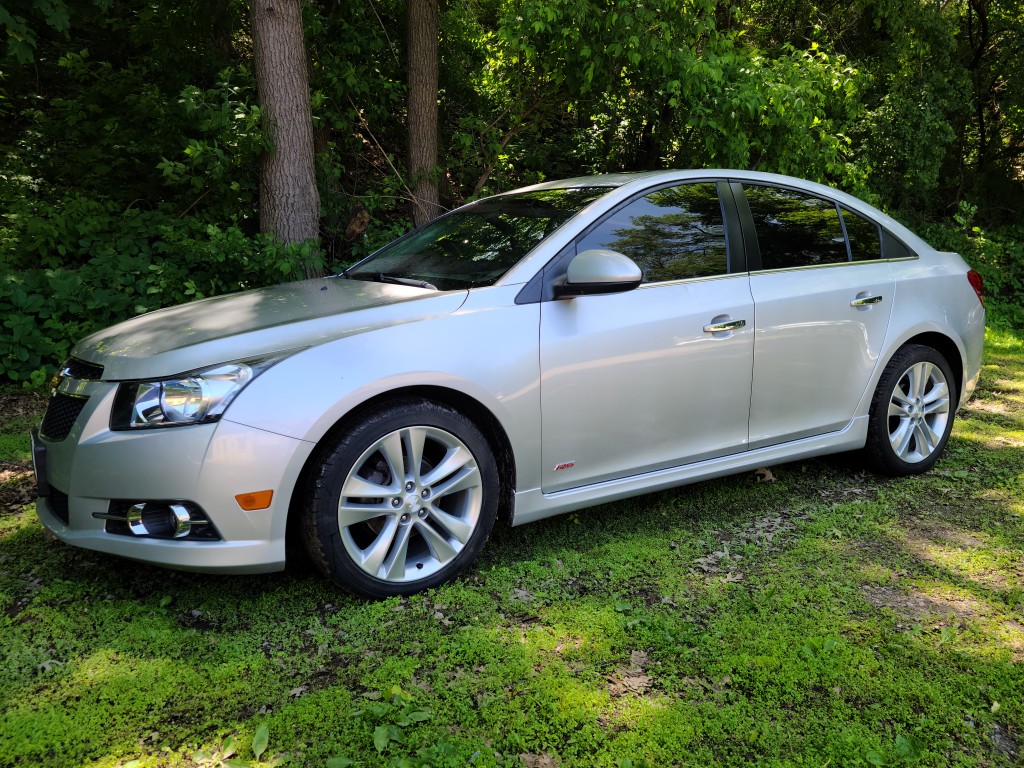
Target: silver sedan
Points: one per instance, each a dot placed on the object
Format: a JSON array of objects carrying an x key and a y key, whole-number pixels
[{"x": 529, "y": 354}]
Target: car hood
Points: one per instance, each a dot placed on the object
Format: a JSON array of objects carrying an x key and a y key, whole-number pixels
[{"x": 255, "y": 323}]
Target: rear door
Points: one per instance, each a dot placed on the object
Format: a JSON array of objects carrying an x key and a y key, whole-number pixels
[{"x": 822, "y": 297}]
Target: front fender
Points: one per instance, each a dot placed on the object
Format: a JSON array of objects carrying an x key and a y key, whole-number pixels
[{"x": 487, "y": 350}]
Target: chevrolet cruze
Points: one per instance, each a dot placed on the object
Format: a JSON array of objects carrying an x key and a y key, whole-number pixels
[{"x": 529, "y": 354}]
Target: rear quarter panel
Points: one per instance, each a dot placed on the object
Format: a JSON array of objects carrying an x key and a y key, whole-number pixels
[{"x": 933, "y": 295}]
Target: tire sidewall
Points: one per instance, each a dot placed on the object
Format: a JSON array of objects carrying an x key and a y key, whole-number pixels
[{"x": 323, "y": 535}]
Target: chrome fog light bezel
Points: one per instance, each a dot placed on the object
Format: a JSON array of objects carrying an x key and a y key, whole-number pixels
[{"x": 167, "y": 520}]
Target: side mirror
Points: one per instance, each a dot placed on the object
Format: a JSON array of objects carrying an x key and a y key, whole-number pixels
[{"x": 599, "y": 271}]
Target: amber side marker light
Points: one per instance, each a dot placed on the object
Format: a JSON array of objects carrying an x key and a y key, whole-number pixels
[{"x": 250, "y": 502}]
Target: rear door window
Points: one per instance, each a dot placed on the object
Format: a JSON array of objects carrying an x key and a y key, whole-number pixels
[
  {"x": 863, "y": 236},
  {"x": 795, "y": 229}
]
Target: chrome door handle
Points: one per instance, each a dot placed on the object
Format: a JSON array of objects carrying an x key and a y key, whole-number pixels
[
  {"x": 866, "y": 301},
  {"x": 729, "y": 325}
]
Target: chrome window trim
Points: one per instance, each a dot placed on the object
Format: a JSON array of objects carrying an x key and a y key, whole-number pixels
[
  {"x": 820, "y": 266},
  {"x": 702, "y": 279}
]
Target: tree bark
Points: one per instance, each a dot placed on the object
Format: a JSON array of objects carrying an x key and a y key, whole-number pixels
[
  {"x": 289, "y": 199},
  {"x": 423, "y": 109}
]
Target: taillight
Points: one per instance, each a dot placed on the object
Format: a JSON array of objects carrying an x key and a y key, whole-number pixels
[{"x": 977, "y": 284}]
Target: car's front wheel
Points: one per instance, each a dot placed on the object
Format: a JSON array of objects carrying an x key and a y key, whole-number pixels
[
  {"x": 911, "y": 412},
  {"x": 402, "y": 501}
]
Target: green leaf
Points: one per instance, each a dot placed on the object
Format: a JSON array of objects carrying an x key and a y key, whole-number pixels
[
  {"x": 381, "y": 736},
  {"x": 260, "y": 740},
  {"x": 909, "y": 747},
  {"x": 339, "y": 762},
  {"x": 874, "y": 758}
]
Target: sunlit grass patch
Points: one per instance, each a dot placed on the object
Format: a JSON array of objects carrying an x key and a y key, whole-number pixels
[{"x": 828, "y": 616}]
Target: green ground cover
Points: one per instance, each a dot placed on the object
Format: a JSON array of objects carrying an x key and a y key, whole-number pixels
[{"x": 824, "y": 616}]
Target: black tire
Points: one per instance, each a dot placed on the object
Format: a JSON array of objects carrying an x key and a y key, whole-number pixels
[
  {"x": 909, "y": 437},
  {"x": 433, "y": 521}
]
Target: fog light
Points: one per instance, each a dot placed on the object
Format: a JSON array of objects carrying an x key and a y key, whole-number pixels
[
  {"x": 158, "y": 520},
  {"x": 161, "y": 520}
]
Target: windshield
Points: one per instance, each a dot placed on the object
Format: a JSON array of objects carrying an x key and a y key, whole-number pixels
[{"x": 477, "y": 244}]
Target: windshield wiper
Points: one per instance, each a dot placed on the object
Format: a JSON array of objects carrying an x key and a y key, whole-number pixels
[{"x": 383, "y": 278}]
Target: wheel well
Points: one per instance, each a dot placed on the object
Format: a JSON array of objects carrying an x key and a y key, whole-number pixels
[
  {"x": 945, "y": 347},
  {"x": 464, "y": 404}
]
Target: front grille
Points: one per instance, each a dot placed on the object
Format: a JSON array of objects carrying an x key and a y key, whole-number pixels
[
  {"x": 60, "y": 416},
  {"x": 58, "y": 504},
  {"x": 81, "y": 370}
]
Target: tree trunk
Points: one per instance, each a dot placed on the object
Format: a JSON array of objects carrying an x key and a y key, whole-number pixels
[
  {"x": 289, "y": 199},
  {"x": 423, "y": 109}
]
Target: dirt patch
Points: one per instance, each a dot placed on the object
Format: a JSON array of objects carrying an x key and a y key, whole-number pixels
[
  {"x": 17, "y": 488},
  {"x": 767, "y": 533},
  {"x": 918, "y": 606},
  {"x": 925, "y": 532},
  {"x": 945, "y": 610},
  {"x": 979, "y": 405},
  {"x": 530, "y": 760},
  {"x": 1005, "y": 741},
  {"x": 632, "y": 678},
  {"x": 27, "y": 406}
]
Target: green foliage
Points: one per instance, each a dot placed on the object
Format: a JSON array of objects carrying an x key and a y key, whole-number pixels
[
  {"x": 217, "y": 165},
  {"x": 918, "y": 100},
  {"x": 100, "y": 265},
  {"x": 997, "y": 255},
  {"x": 19, "y": 22}
]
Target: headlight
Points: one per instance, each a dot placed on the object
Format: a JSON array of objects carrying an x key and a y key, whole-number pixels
[{"x": 193, "y": 398}]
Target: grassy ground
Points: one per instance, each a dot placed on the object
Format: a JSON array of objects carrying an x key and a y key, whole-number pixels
[{"x": 827, "y": 617}]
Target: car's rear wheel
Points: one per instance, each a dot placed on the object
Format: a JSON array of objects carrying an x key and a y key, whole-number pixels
[
  {"x": 402, "y": 501},
  {"x": 911, "y": 412}
]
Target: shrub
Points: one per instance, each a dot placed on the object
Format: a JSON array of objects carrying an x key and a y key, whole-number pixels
[
  {"x": 103, "y": 270},
  {"x": 997, "y": 255}
]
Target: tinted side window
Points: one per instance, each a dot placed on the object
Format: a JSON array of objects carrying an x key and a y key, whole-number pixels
[
  {"x": 894, "y": 249},
  {"x": 672, "y": 234},
  {"x": 794, "y": 229},
  {"x": 863, "y": 235}
]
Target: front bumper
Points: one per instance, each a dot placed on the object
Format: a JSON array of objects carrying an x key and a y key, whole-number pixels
[{"x": 206, "y": 465}]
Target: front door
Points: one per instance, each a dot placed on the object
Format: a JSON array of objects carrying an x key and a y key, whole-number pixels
[{"x": 655, "y": 377}]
